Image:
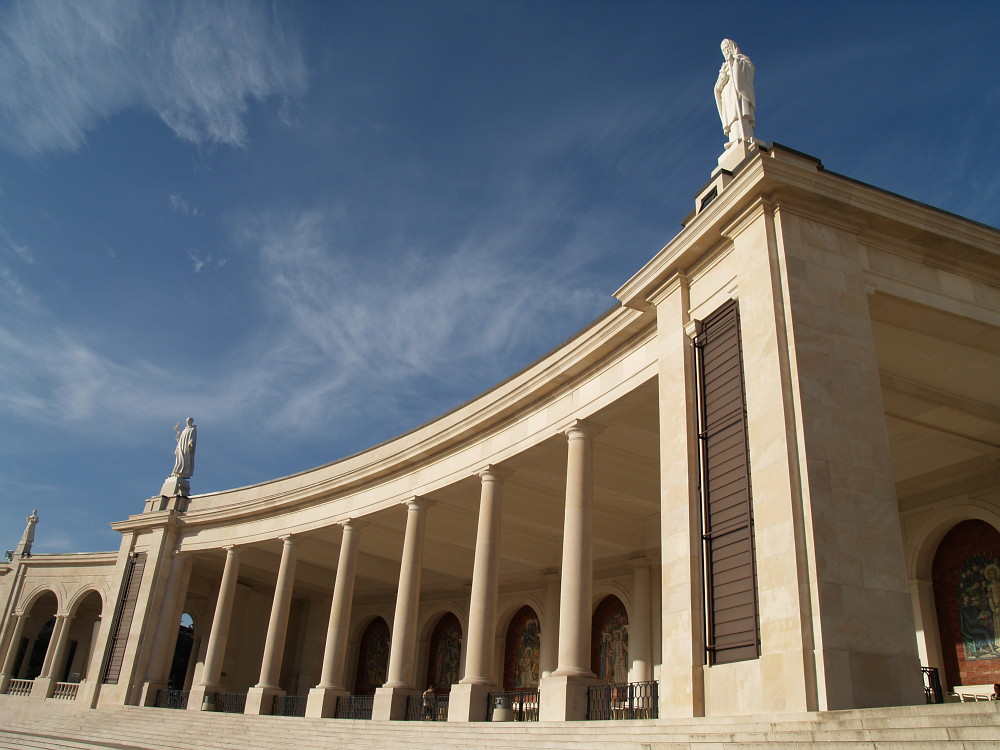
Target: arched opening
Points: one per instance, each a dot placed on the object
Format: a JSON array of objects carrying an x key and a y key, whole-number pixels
[
  {"x": 83, "y": 631},
  {"x": 444, "y": 658},
  {"x": 609, "y": 641},
  {"x": 182, "y": 663},
  {"x": 966, "y": 575},
  {"x": 522, "y": 648},
  {"x": 373, "y": 658},
  {"x": 35, "y": 637}
]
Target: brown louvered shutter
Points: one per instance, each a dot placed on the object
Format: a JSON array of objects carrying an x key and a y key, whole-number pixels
[
  {"x": 733, "y": 631},
  {"x": 122, "y": 622}
]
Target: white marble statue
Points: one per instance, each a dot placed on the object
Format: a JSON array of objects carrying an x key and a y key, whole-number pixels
[
  {"x": 734, "y": 94},
  {"x": 29, "y": 530},
  {"x": 184, "y": 452}
]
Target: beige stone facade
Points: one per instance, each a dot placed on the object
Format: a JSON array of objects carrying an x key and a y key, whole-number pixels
[{"x": 869, "y": 328}]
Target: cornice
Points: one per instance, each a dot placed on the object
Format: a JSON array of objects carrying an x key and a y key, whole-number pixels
[
  {"x": 801, "y": 184},
  {"x": 605, "y": 342}
]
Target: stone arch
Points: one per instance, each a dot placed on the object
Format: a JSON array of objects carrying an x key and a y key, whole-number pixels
[
  {"x": 430, "y": 620},
  {"x": 40, "y": 608},
  {"x": 920, "y": 555},
  {"x": 86, "y": 610},
  {"x": 28, "y": 601},
  {"x": 522, "y": 650},
  {"x": 373, "y": 656},
  {"x": 923, "y": 543},
  {"x": 604, "y": 589},
  {"x": 609, "y": 654},
  {"x": 79, "y": 595}
]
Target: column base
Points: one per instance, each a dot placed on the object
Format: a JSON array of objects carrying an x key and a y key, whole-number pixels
[
  {"x": 390, "y": 703},
  {"x": 468, "y": 702},
  {"x": 149, "y": 690},
  {"x": 322, "y": 702},
  {"x": 198, "y": 695},
  {"x": 4, "y": 682},
  {"x": 564, "y": 697},
  {"x": 42, "y": 687},
  {"x": 260, "y": 700}
]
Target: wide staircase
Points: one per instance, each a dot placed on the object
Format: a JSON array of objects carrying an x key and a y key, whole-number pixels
[{"x": 42, "y": 726}]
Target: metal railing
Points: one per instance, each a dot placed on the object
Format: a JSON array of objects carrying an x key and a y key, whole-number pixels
[
  {"x": 523, "y": 704},
  {"x": 355, "y": 706},
  {"x": 20, "y": 687},
  {"x": 427, "y": 708},
  {"x": 289, "y": 705},
  {"x": 230, "y": 703},
  {"x": 66, "y": 691},
  {"x": 627, "y": 700},
  {"x": 933, "y": 692},
  {"x": 172, "y": 698}
]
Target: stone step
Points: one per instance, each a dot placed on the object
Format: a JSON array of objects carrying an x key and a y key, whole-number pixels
[
  {"x": 13, "y": 740},
  {"x": 966, "y": 726}
]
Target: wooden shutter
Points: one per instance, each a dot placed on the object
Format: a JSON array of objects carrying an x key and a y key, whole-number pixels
[
  {"x": 733, "y": 629},
  {"x": 122, "y": 622}
]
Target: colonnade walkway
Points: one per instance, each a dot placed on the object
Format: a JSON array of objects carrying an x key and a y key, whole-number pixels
[{"x": 43, "y": 726}]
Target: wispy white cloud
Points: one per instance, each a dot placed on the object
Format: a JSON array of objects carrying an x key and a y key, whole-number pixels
[
  {"x": 197, "y": 65},
  {"x": 179, "y": 203},
  {"x": 21, "y": 251},
  {"x": 199, "y": 261},
  {"x": 349, "y": 325}
]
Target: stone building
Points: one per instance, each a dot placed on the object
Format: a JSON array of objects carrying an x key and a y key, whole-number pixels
[{"x": 766, "y": 482}]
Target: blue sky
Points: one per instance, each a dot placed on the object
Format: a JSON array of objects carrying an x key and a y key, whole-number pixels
[{"x": 313, "y": 226}]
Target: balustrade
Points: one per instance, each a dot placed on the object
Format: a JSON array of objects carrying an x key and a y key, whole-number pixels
[
  {"x": 20, "y": 687},
  {"x": 66, "y": 691}
]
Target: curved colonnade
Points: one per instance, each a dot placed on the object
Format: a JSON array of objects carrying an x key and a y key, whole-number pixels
[{"x": 739, "y": 489}]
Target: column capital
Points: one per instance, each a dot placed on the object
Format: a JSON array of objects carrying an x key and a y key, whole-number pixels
[
  {"x": 353, "y": 523},
  {"x": 581, "y": 428},
  {"x": 288, "y": 539},
  {"x": 494, "y": 473},
  {"x": 232, "y": 549},
  {"x": 417, "y": 502},
  {"x": 639, "y": 562}
]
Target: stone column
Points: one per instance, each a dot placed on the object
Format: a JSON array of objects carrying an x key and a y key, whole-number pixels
[
  {"x": 45, "y": 683},
  {"x": 260, "y": 696},
  {"x": 639, "y": 642},
  {"x": 390, "y": 699},
  {"x": 925, "y": 619},
  {"x": 468, "y": 698},
  {"x": 323, "y": 698},
  {"x": 192, "y": 662},
  {"x": 219, "y": 635},
  {"x": 682, "y": 640},
  {"x": 564, "y": 692},
  {"x": 12, "y": 648},
  {"x": 158, "y": 672},
  {"x": 549, "y": 647}
]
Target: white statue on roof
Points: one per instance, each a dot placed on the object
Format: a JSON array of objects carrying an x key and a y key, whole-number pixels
[{"x": 734, "y": 94}]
